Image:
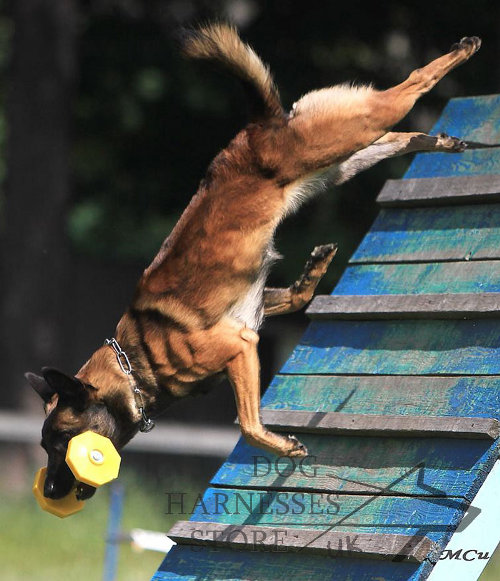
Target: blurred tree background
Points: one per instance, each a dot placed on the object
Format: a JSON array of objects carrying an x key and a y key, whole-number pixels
[{"x": 105, "y": 132}]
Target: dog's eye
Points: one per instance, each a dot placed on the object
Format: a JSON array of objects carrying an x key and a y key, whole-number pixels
[{"x": 67, "y": 434}]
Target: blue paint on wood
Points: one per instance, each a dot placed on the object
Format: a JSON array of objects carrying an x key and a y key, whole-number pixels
[
  {"x": 420, "y": 278},
  {"x": 475, "y": 119},
  {"x": 201, "y": 563},
  {"x": 471, "y": 118},
  {"x": 356, "y": 464},
  {"x": 427, "y": 234},
  {"x": 473, "y": 162},
  {"x": 434, "y": 518},
  {"x": 432, "y": 396},
  {"x": 409, "y": 347}
]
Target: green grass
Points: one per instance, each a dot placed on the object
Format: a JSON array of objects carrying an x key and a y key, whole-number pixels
[{"x": 39, "y": 546}]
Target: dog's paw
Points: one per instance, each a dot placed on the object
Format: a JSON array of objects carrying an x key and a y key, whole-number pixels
[
  {"x": 469, "y": 44},
  {"x": 451, "y": 144},
  {"x": 318, "y": 262},
  {"x": 297, "y": 449},
  {"x": 321, "y": 252}
]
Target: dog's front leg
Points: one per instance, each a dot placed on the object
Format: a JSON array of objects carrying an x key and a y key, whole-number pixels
[
  {"x": 278, "y": 301},
  {"x": 244, "y": 373}
]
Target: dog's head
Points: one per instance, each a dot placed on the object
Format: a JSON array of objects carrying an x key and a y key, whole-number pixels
[{"x": 71, "y": 407}]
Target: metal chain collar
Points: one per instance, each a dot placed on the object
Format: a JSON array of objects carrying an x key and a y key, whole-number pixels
[{"x": 147, "y": 424}]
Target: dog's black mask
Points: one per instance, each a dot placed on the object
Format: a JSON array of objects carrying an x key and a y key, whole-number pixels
[
  {"x": 70, "y": 410},
  {"x": 59, "y": 479}
]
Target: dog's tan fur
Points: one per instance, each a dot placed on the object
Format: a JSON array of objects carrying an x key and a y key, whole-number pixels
[{"x": 198, "y": 306}]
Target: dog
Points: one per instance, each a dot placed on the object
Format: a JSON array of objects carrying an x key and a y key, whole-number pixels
[{"x": 198, "y": 307}]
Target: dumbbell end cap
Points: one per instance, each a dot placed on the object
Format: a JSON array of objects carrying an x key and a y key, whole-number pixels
[{"x": 62, "y": 507}]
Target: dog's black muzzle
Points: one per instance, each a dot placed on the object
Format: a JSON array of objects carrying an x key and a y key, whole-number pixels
[{"x": 60, "y": 480}]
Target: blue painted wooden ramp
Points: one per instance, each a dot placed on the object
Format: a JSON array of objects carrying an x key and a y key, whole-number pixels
[{"x": 427, "y": 355}]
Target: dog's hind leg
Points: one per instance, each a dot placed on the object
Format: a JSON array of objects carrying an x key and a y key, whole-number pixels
[
  {"x": 396, "y": 102},
  {"x": 328, "y": 126},
  {"x": 243, "y": 372},
  {"x": 393, "y": 144}
]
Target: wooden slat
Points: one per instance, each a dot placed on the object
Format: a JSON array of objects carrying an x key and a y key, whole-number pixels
[
  {"x": 430, "y": 234},
  {"x": 380, "y": 425},
  {"x": 356, "y": 464},
  {"x": 254, "y": 538},
  {"x": 471, "y": 118},
  {"x": 423, "y": 306},
  {"x": 195, "y": 563},
  {"x": 408, "y": 396},
  {"x": 440, "y": 191},
  {"x": 416, "y": 347},
  {"x": 472, "y": 162},
  {"x": 474, "y": 119},
  {"x": 295, "y": 508},
  {"x": 475, "y": 276}
]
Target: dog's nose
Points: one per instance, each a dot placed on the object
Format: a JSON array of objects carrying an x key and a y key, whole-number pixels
[{"x": 49, "y": 489}]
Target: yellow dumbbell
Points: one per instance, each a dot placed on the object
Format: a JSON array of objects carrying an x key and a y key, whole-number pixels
[
  {"x": 62, "y": 507},
  {"x": 93, "y": 459}
]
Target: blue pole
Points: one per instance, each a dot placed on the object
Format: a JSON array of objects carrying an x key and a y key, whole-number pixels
[{"x": 117, "y": 494}]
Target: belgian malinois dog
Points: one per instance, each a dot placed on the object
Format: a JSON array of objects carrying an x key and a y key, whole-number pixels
[{"x": 198, "y": 307}]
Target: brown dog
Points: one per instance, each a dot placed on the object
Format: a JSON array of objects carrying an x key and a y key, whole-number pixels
[{"x": 199, "y": 305}]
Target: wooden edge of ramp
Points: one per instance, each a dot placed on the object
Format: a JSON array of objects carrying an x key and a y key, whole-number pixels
[
  {"x": 381, "y": 425},
  {"x": 438, "y": 191},
  {"x": 422, "y": 306},
  {"x": 394, "y": 547}
]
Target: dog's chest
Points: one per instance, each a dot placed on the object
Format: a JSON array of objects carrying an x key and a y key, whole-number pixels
[{"x": 249, "y": 309}]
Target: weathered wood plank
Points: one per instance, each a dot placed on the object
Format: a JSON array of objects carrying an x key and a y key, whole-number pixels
[
  {"x": 356, "y": 464},
  {"x": 440, "y": 191},
  {"x": 350, "y": 514},
  {"x": 472, "y": 162},
  {"x": 471, "y": 118},
  {"x": 421, "y": 278},
  {"x": 208, "y": 564},
  {"x": 380, "y": 425},
  {"x": 475, "y": 119},
  {"x": 428, "y": 234},
  {"x": 256, "y": 538},
  {"x": 416, "y": 347},
  {"x": 407, "y": 396},
  {"x": 423, "y": 306}
]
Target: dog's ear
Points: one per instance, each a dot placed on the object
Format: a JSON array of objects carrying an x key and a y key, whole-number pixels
[
  {"x": 69, "y": 389},
  {"x": 44, "y": 390}
]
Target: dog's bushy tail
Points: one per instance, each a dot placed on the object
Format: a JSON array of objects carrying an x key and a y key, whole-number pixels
[{"x": 220, "y": 43}]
